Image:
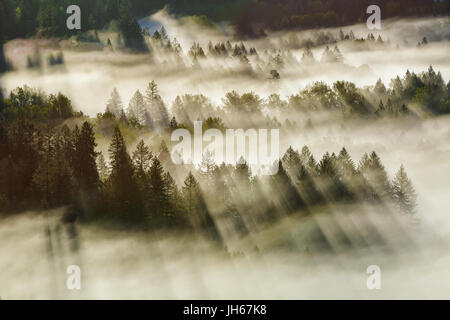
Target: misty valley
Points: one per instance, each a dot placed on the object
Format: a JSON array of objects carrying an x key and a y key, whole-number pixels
[{"x": 175, "y": 156}]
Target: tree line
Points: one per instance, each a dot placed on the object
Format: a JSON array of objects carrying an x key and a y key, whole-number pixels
[
  {"x": 47, "y": 164},
  {"x": 412, "y": 95},
  {"x": 18, "y": 17}
]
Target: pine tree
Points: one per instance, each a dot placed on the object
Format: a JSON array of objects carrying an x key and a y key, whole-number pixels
[
  {"x": 197, "y": 210},
  {"x": 130, "y": 27},
  {"x": 305, "y": 155},
  {"x": 163, "y": 33},
  {"x": 142, "y": 157},
  {"x": 173, "y": 125},
  {"x": 284, "y": 191},
  {"x": 114, "y": 104},
  {"x": 327, "y": 167},
  {"x": 175, "y": 208},
  {"x": 84, "y": 161},
  {"x": 43, "y": 176},
  {"x": 158, "y": 197},
  {"x": 307, "y": 187},
  {"x": 124, "y": 196},
  {"x": 403, "y": 192},
  {"x": 328, "y": 56},
  {"x": 103, "y": 169},
  {"x": 206, "y": 169},
  {"x": 63, "y": 183},
  {"x": 308, "y": 56},
  {"x": 156, "y": 107},
  {"x": 338, "y": 55},
  {"x": 291, "y": 160},
  {"x": 345, "y": 165},
  {"x": 136, "y": 108},
  {"x": 375, "y": 174}
]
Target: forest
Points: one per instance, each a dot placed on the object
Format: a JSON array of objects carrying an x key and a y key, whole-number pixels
[
  {"x": 251, "y": 17},
  {"x": 87, "y": 175},
  {"x": 47, "y": 164}
]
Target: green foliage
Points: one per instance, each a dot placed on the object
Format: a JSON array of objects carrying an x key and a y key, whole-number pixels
[
  {"x": 130, "y": 28},
  {"x": 84, "y": 160},
  {"x": 403, "y": 192},
  {"x": 122, "y": 191},
  {"x": 31, "y": 104},
  {"x": 20, "y": 18}
]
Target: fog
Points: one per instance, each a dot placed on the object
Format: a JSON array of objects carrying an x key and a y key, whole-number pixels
[
  {"x": 413, "y": 256},
  {"x": 89, "y": 76}
]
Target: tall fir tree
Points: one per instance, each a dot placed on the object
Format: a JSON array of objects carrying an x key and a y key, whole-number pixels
[
  {"x": 136, "y": 108},
  {"x": 157, "y": 110},
  {"x": 404, "y": 193},
  {"x": 197, "y": 210},
  {"x": 115, "y": 105},
  {"x": 102, "y": 166},
  {"x": 158, "y": 197},
  {"x": 84, "y": 160},
  {"x": 124, "y": 197}
]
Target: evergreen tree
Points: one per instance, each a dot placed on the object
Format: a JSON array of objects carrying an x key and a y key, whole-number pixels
[
  {"x": 103, "y": 169},
  {"x": 291, "y": 160},
  {"x": 84, "y": 160},
  {"x": 124, "y": 197},
  {"x": 142, "y": 157},
  {"x": 307, "y": 187},
  {"x": 158, "y": 197},
  {"x": 284, "y": 191},
  {"x": 156, "y": 107},
  {"x": 197, "y": 210},
  {"x": 375, "y": 174},
  {"x": 338, "y": 55},
  {"x": 43, "y": 177},
  {"x": 163, "y": 33},
  {"x": 175, "y": 208},
  {"x": 308, "y": 56},
  {"x": 63, "y": 182},
  {"x": 345, "y": 165},
  {"x": 114, "y": 104},
  {"x": 136, "y": 108},
  {"x": 327, "y": 167},
  {"x": 130, "y": 28},
  {"x": 403, "y": 192}
]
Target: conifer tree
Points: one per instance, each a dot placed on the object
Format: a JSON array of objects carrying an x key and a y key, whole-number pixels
[
  {"x": 136, "y": 108},
  {"x": 142, "y": 157},
  {"x": 43, "y": 176},
  {"x": 291, "y": 160},
  {"x": 308, "y": 56},
  {"x": 84, "y": 161},
  {"x": 175, "y": 208},
  {"x": 156, "y": 107},
  {"x": 284, "y": 191},
  {"x": 375, "y": 174},
  {"x": 345, "y": 165},
  {"x": 124, "y": 197},
  {"x": 158, "y": 196},
  {"x": 404, "y": 193},
  {"x": 103, "y": 169},
  {"x": 114, "y": 104},
  {"x": 197, "y": 210}
]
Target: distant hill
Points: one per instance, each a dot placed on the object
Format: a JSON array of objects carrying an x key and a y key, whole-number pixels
[{"x": 250, "y": 17}]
